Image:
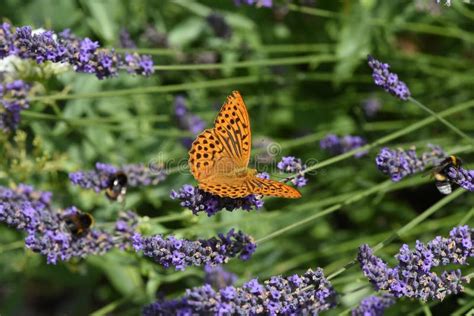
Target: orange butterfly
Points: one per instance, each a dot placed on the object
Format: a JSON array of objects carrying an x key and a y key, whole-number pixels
[{"x": 219, "y": 157}]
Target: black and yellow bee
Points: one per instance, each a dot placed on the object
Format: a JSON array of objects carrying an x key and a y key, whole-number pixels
[
  {"x": 440, "y": 172},
  {"x": 117, "y": 187},
  {"x": 79, "y": 223}
]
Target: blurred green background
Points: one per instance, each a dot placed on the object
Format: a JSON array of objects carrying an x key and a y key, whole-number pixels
[{"x": 303, "y": 73}]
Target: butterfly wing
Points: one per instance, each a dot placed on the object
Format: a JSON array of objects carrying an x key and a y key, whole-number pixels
[
  {"x": 271, "y": 188},
  {"x": 225, "y": 187},
  {"x": 217, "y": 153},
  {"x": 226, "y": 147},
  {"x": 205, "y": 152},
  {"x": 232, "y": 128},
  {"x": 243, "y": 187}
]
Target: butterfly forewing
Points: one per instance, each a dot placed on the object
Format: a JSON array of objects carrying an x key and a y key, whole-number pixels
[
  {"x": 232, "y": 127},
  {"x": 205, "y": 153}
]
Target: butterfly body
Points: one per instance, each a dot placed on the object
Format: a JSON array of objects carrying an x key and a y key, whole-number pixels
[{"x": 219, "y": 157}]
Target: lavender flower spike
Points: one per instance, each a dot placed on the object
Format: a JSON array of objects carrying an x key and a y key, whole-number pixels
[
  {"x": 99, "y": 179},
  {"x": 47, "y": 233},
  {"x": 463, "y": 177},
  {"x": 388, "y": 80},
  {"x": 84, "y": 55},
  {"x": 292, "y": 164},
  {"x": 373, "y": 305},
  {"x": 258, "y": 3},
  {"x": 182, "y": 253},
  {"x": 13, "y": 99},
  {"x": 186, "y": 120},
  {"x": 399, "y": 163},
  {"x": 412, "y": 277},
  {"x": 308, "y": 294},
  {"x": 338, "y": 145},
  {"x": 198, "y": 200},
  {"x": 218, "y": 277}
]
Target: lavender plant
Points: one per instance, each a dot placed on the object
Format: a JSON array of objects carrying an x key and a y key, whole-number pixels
[
  {"x": 181, "y": 253},
  {"x": 29, "y": 210},
  {"x": 198, "y": 200},
  {"x": 413, "y": 276},
  {"x": 374, "y": 305},
  {"x": 400, "y": 163},
  {"x": 14, "y": 99},
  {"x": 84, "y": 55},
  {"x": 309, "y": 293},
  {"x": 186, "y": 120},
  {"x": 300, "y": 65},
  {"x": 388, "y": 80},
  {"x": 218, "y": 277},
  {"x": 100, "y": 178},
  {"x": 295, "y": 165},
  {"x": 338, "y": 145}
]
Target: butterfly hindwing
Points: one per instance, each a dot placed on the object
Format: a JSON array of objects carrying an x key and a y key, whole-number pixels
[
  {"x": 234, "y": 189},
  {"x": 271, "y": 188}
]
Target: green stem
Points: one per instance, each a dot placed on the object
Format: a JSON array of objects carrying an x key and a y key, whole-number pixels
[
  {"x": 329, "y": 210},
  {"x": 252, "y": 63},
  {"x": 401, "y": 231},
  {"x": 267, "y": 49},
  {"x": 389, "y": 137},
  {"x": 95, "y": 120},
  {"x": 441, "y": 119},
  {"x": 157, "y": 89},
  {"x": 466, "y": 218},
  {"x": 109, "y": 308},
  {"x": 295, "y": 48},
  {"x": 426, "y": 309},
  {"x": 313, "y": 11}
]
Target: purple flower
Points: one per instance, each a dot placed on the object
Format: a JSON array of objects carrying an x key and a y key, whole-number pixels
[
  {"x": 102, "y": 177},
  {"x": 218, "y": 277},
  {"x": 47, "y": 231},
  {"x": 6, "y": 40},
  {"x": 400, "y": 163},
  {"x": 258, "y": 3},
  {"x": 371, "y": 106},
  {"x": 219, "y": 25},
  {"x": 13, "y": 100},
  {"x": 290, "y": 164},
  {"x": 141, "y": 65},
  {"x": 84, "y": 55},
  {"x": 126, "y": 40},
  {"x": 463, "y": 177},
  {"x": 181, "y": 253},
  {"x": 277, "y": 296},
  {"x": 373, "y": 305},
  {"x": 338, "y": 145},
  {"x": 413, "y": 276},
  {"x": 198, "y": 200},
  {"x": 388, "y": 80},
  {"x": 187, "y": 121}
]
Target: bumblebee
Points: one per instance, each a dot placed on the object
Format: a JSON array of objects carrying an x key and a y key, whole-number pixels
[
  {"x": 79, "y": 223},
  {"x": 442, "y": 182},
  {"x": 117, "y": 187}
]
